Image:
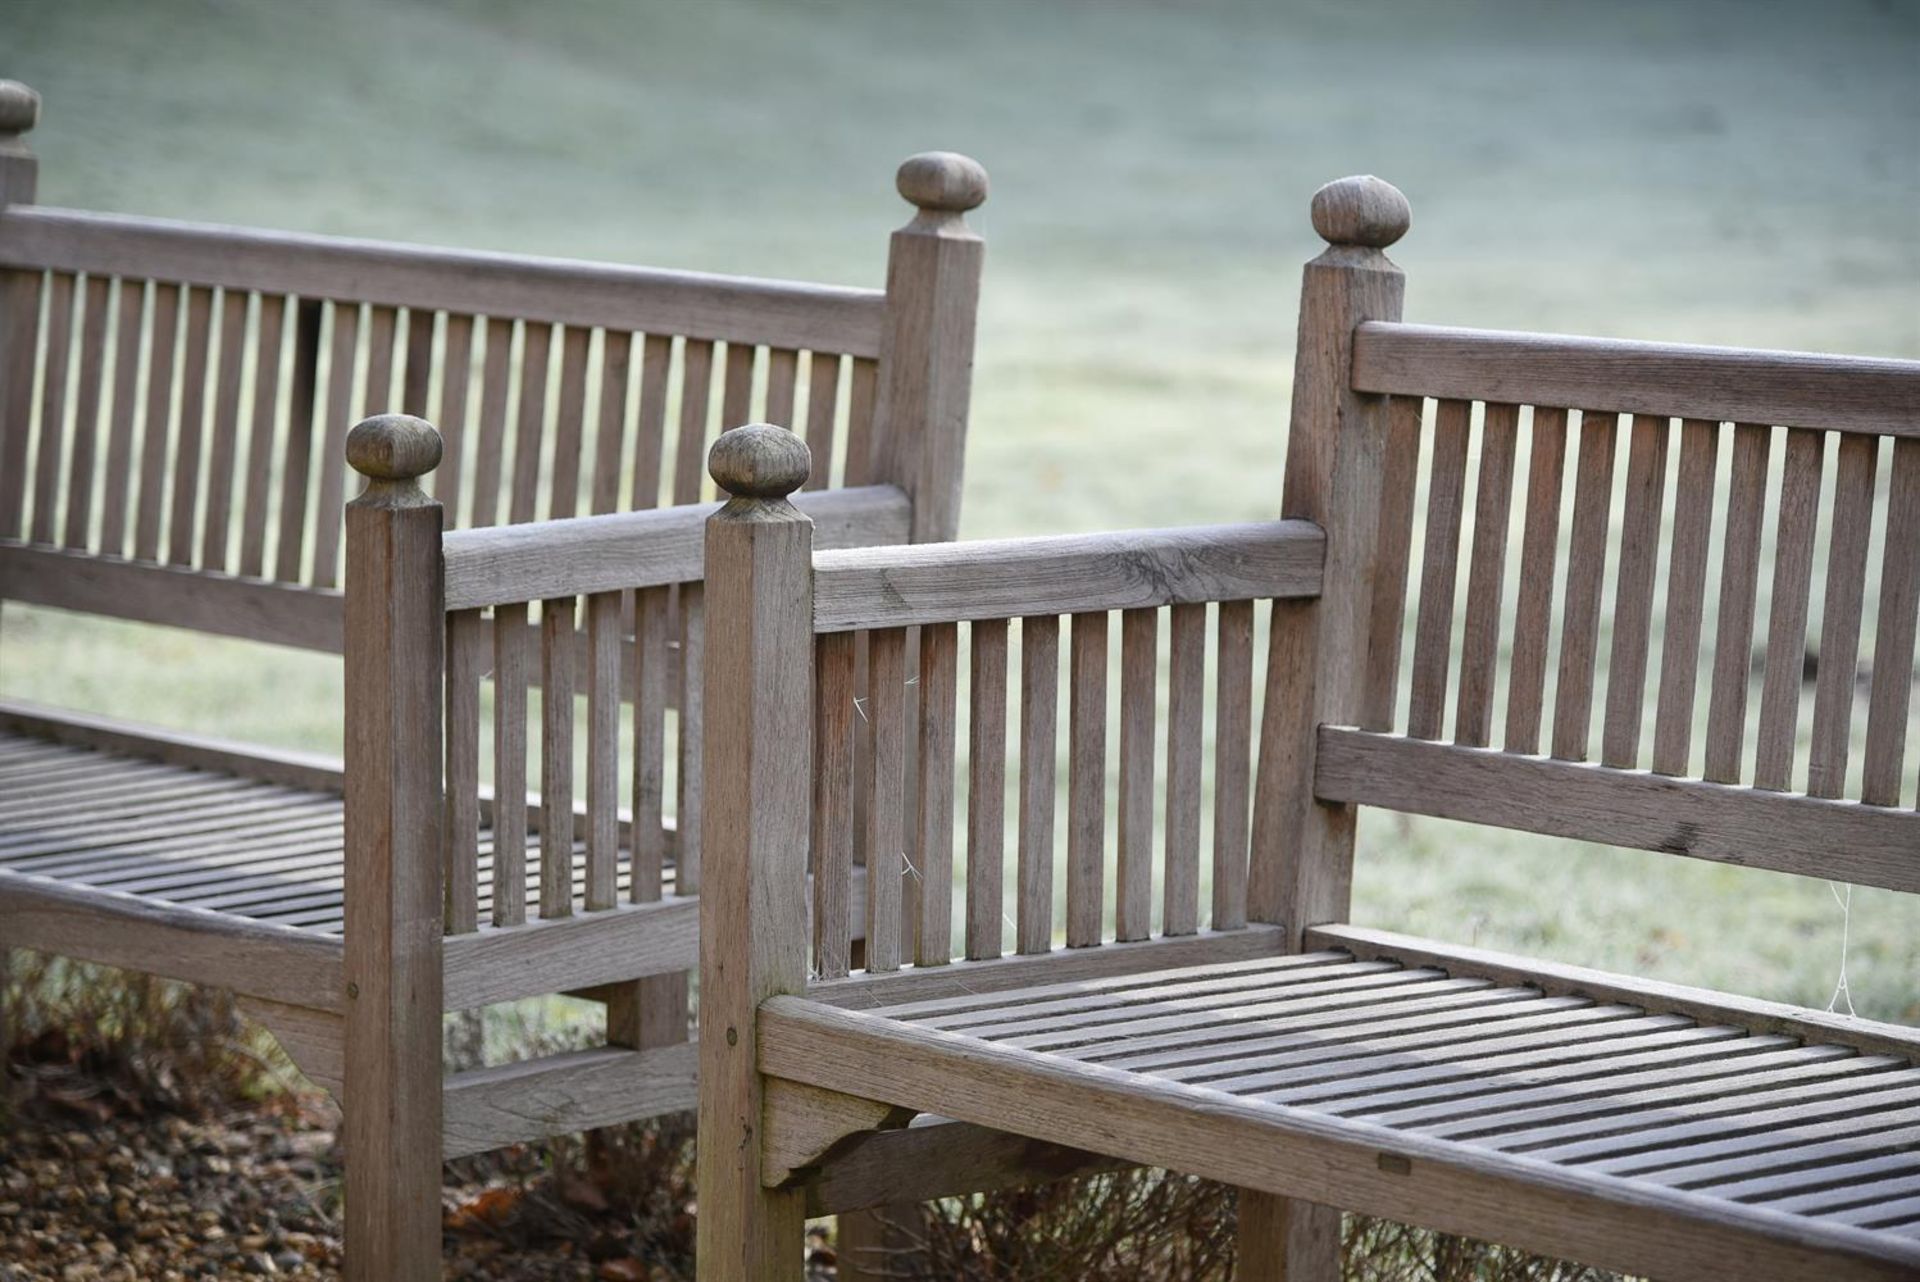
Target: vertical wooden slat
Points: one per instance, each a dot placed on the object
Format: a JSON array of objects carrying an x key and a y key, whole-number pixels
[
  {"x": 933, "y": 848},
  {"x": 1533, "y": 603},
  {"x": 86, "y": 411},
  {"x": 184, "y": 508},
  {"x": 1787, "y": 618},
  {"x": 886, "y": 799},
  {"x": 1400, "y": 465},
  {"x": 987, "y": 786},
  {"x": 1633, "y": 592},
  {"x": 692, "y": 779},
  {"x": 383, "y": 326},
  {"x": 1855, "y": 463},
  {"x": 156, "y": 425},
  {"x": 835, "y": 718},
  {"x": 1039, "y": 721},
  {"x": 290, "y": 547},
  {"x": 223, "y": 455},
  {"x": 1186, "y": 702},
  {"x": 1686, "y": 594},
  {"x": 416, "y": 377},
  {"x": 569, "y": 427},
  {"x": 1087, "y": 782},
  {"x": 736, "y": 404},
  {"x": 823, "y": 396},
  {"x": 652, "y": 669},
  {"x": 116, "y": 498},
  {"x": 860, "y": 443},
  {"x": 1139, "y": 671},
  {"x": 1893, "y": 642},
  {"x": 53, "y": 409},
  {"x": 343, "y": 357},
  {"x": 1232, "y": 740},
  {"x": 530, "y": 425},
  {"x": 603, "y": 750},
  {"x": 258, "y": 498},
  {"x": 1486, "y": 574},
  {"x": 650, "y": 435},
  {"x": 466, "y": 639},
  {"x": 783, "y": 370},
  {"x": 456, "y": 377},
  {"x": 509, "y": 765},
  {"x": 1439, "y": 570},
  {"x": 616, "y": 358},
  {"x": 696, "y": 387},
  {"x": 1586, "y": 568},
  {"x": 556, "y": 757},
  {"x": 19, "y": 345},
  {"x": 495, "y": 374},
  {"x": 1740, "y": 570}
]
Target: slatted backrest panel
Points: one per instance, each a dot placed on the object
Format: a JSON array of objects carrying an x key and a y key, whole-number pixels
[
  {"x": 202, "y": 426},
  {"x": 1660, "y": 590},
  {"x": 1037, "y": 741}
]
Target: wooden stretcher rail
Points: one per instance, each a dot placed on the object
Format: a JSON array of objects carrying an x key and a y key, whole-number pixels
[
  {"x": 205, "y": 601},
  {"x": 1719, "y": 384},
  {"x": 631, "y": 941},
  {"x": 1729, "y": 823},
  {"x": 897, "y": 587},
  {"x": 489, "y": 1108},
  {"x": 505, "y": 564},
  {"x": 735, "y": 309}
]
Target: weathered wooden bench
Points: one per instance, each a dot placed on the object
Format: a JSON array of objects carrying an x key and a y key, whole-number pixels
[
  {"x": 174, "y": 406},
  {"x": 1310, "y": 1062}
]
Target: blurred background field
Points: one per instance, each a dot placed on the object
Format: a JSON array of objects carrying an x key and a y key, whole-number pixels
[{"x": 1703, "y": 172}]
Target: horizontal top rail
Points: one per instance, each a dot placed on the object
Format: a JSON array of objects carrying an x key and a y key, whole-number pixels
[
  {"x": 894, "y": 587},
  {"x": 1722, "y": 384},
  {"x": 739, "y": 309},
  {"x": 501, "y": 564}
]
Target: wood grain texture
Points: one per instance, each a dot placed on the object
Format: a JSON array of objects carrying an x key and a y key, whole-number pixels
[
  {"x": 653, "y": 676},
  {"x": 1139, "y": 681},
  {"x": 1855, "y": 464},
  {"x": 223, "y": 451},
  {"x": 1533, "y": 604},
  {"x": 603, "y": 749},
  {"x": 1728, "y": 823},
  {"x": 1400, "y": 466},
  {"x": 1787, "y": 622},
  {"x": 1846, "y": 393},
  {"x": 1233, "y": 742},
  {"x": 938, "y": 1158},
  {"x": 1439, "y": 571},
  {"x": 833, "y": 813},
  {"x": 1893, "y": 645},
  {"x": 986, "y": 786},
  {"x": 1646, "y": 483},
  {"x": 491, "y": 436},
  {"x": 509, "y": 765},
  {"x": 1039, "y": 732},
  {"x": 117, "y": 493},
  {"x": 823, "y": 395},
  {"x": 1186, "y": 707},
  {"x": 892, "y": 586},
  {"x": 1586, "y": 569},
  {"x": 303, "y": 385},
  {"x": 933, "y": 809},
  {"x": 616, "y": 357},
  {"x": 556, "y": 753},
  {"x": 548, "y": 290},
  {"x": 20, "y": 331},
  {"x": 530, "y": 421},
  {"x": 257, "y": 493},
  {"x": 649, "y": 446},
  {"x": 88, "y": 425},
  {"x": 885, "y": 730},
  {"x": 343, "y": 358},
  {"x": 50, "y": 448},
  {"x": 1486, "y": 574},
  {"x": 555, "y": 955},
  {"x": 569, "y": 425},
  {"x": 1087, "y": 782},
  {"x": 1686, "y": 595},
  {"x": 466, "y": 662},
  {"x": 529, "y": 1100},
  {"x": 1739, "y": 576}
]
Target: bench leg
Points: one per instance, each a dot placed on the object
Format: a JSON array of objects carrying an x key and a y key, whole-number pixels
[
  {"x": 1287, "y": 1240},
  {"x": 393, "y": 1165}
]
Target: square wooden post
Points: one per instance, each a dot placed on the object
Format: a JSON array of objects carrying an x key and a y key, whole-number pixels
[
  {"x": 755, "y": 824},
  {"x": 395, "y": 636},
  {"x": 19, "y": 305},
  {"x": 1301, "y": 872}
]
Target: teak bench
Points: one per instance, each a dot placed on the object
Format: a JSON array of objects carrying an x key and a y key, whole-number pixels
[
  {"x": 1315, "y": 1064},
  {"x": 174, "y": 405}
]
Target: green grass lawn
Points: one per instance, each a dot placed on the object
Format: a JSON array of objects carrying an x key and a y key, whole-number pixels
[{"x": 1709, "y": 172}]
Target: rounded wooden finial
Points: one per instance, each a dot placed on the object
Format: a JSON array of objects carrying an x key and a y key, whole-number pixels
[
  {"x": 19, "y": 107},
  {"x": 942, "y": 180},
  {"x": 760, "y": 461},
  {"x": 1365, "y": 211},
  {"x": 393, "y": 447}
]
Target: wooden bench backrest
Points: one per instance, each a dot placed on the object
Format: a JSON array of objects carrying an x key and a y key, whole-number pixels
[{"x": 176, "y": 394}]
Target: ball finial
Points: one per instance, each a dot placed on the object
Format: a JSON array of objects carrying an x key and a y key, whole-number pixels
[
  {"x": 1365, "y": 211},
  {"x": 759, "y": 461},
  {"x": 942, "y": 180},
  {"x": 19, "y": 107},
  {"x": 393, "y": 447}
]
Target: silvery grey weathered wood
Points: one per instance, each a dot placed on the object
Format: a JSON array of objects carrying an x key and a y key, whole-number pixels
[
  {"x": 1399, "y": 467},
  {"x": 1232, "y": 763},
  {"x": 547, "y": 290},
  {"x": 1039, "y": 720},
  {"x": 1087, "y": 781},
  {"x": 1787, "y": 622},
  {"x": 1846, "y": 393},
  {"x": 1064, "y": 574},
  {"x": 1739, "y": 577},
  {"x": 556, "y": 754},
  {"x": 1186, "y": 682},
  {"x": 986, "y": 786},
  {"x": 270, "y": 765},
  {"x": 467, "y": 661},
  {"x": 1730, "y": 823},
  {"x": 1586, "y": 566},
  {"x": 53, "y": 400},
  {"x": 1893, "y": 648},
  {"x": 88, "y": 426},
  {"x": 884, "y": 728},
  {"x": 552, "y": 955},
  {"x": 937, "y": 1158},
  {"x": 528, "y": 1100},
  {"x": 1139, "y": 709},
  {"x": 590, "y": 554},
  {"x": 933, "y": 808},
  {"x": 116, "y": 498},
  {"x": 1855, "y": 463},
  {"x": 1686, "y": 594},
  {"x": 1486, "y": 574},
  {"x": 1646, "y": 484},
  {"x": 1439, "y": 571},
  {"x": 510, "y": 676},
  {"x": 833, "y": 811}
]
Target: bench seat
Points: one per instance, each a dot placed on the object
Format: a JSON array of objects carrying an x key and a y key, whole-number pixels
[{"x": 1603, "y": 1117}]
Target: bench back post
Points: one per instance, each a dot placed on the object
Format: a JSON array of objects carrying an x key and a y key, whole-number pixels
[
  {"x": 19, "y": 167},
  {"x": 1301, "y": 872},
  {"x": 19, "y": 304},
  {"x": 926, "y": 347},
  {"x": 755, "y": 826},
  {"x": 394, "y": 656}
]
